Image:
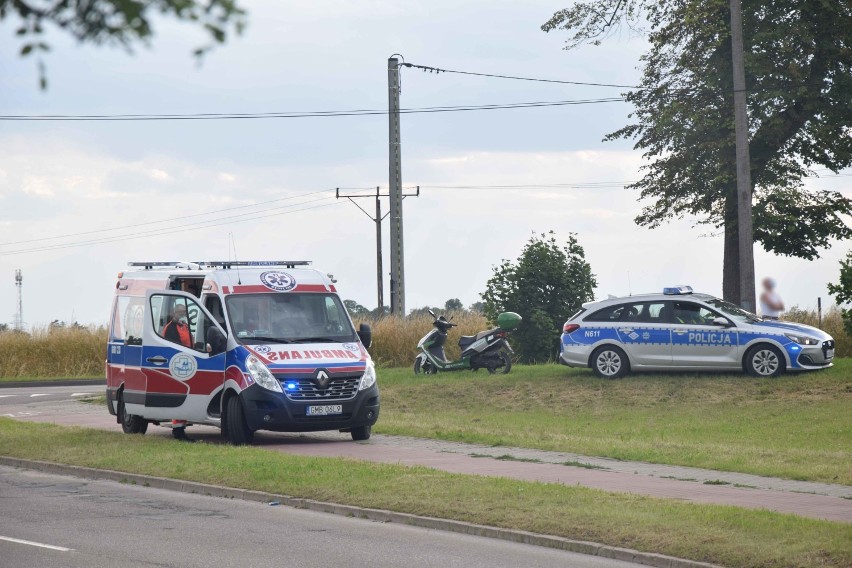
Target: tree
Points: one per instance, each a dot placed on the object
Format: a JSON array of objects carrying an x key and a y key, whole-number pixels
[
  {"x": 477, "y": 308},
  {"x": 842, "y": 291},
  {"x": 547, "y": 284},
  {"x": 116, "y": 23},
  {"x": 799, "y": 81},
  {"x": 453, "y": 305},
  {"x": 355, "y": 309}
]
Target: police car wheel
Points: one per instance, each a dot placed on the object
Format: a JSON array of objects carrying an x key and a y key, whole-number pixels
[
  {"x": 609, "y": 362},
  {"x": 237, "y": 430},
  {"x": 130, "y": 423},
  {"x": 764, "y": 361}
]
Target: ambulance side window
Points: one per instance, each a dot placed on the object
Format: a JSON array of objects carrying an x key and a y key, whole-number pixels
[
  {"x": 118, "y": 318},
  {"x": 190, "y": 334},
  {"x": 133, "y": 321}
]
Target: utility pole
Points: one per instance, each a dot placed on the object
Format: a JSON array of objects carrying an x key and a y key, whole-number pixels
[
  {"x": 397, "y": 273},
  {"x": 745, "y": 230},
  {"x": 380, "y": 288},
  {"x": 19, "y": 313}
]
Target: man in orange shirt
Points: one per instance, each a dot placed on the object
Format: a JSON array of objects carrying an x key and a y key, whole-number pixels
[{"x": 177, "y": 331}]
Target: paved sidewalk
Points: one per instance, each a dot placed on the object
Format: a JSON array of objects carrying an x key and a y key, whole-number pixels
[{"x": 816, "y": 500}]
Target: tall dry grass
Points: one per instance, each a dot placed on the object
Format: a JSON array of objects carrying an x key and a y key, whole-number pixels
[
  {"x": 832, "y": 323},
  {"x": 53, "y": 352},
  {"x": 395, "y": 338}
]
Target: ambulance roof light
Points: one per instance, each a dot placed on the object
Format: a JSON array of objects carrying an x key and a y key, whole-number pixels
[
  {"x": 148, "y": 265},
  {"x": 677, "y": 290}
]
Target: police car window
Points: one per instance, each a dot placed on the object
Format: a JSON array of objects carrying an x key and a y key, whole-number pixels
[
  {"x": 610, "y": 313},
  {"x": 692, "y": 314},
  {"x": 656, "y": 312}
]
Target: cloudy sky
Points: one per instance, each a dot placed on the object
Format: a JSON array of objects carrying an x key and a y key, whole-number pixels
[{"x": 80, "y": 200}]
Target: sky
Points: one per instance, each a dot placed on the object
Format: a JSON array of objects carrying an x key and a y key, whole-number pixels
[{"x": 159, "y": 190}]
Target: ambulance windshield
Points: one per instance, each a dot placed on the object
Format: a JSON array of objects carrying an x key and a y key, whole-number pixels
[{"x": 288, "y": 318}]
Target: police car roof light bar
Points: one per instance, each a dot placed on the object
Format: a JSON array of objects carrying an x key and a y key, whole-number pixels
[{"x": 677, "y": 290}]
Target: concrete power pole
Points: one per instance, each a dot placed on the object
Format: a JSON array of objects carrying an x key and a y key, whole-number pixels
[
  {"x": 19, "y": 313},
  {"x": 397, "y": 273},
  {"x": 744, "y": 198}
]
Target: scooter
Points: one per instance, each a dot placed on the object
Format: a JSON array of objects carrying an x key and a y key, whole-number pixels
[{"x": 486, "y": 350}]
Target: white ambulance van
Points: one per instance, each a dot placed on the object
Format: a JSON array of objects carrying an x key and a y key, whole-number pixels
[{"x": 244, "y": 346}]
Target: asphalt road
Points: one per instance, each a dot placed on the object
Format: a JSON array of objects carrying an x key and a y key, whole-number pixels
[
  {"x": 51, "y": 521},
  {"x": 45, "y": 393}
]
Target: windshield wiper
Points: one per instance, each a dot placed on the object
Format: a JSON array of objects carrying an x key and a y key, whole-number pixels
[
  {"x": 268, "y": 339},
  {"x": 315, "y": 340}
]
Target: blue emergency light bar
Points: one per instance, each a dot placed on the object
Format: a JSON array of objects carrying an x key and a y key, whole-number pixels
[{"x": 677, "y": 290}]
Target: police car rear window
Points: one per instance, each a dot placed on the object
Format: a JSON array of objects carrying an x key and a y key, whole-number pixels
[{"x": 631, "y": 312}]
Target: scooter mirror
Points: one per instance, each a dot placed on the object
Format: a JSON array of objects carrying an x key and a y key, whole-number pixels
[{"x": 431, "y": 313}]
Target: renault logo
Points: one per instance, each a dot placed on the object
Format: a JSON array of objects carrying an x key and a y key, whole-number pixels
[{"x": 322, "y": 379}]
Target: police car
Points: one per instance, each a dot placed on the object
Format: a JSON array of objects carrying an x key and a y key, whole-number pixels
[{"x": 682, "y": 330}]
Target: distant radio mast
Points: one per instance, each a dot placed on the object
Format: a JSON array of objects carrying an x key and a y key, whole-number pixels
[{"x": 19, "y": 313}]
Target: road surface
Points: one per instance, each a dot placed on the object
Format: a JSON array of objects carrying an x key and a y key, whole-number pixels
[{"x": 51, "y": 521}]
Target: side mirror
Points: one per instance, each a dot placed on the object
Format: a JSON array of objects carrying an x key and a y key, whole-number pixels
[
  {"x": 216, "y": 341},
  {"x": 723, "y": 322},
  {"x": 365, "y": 334}
]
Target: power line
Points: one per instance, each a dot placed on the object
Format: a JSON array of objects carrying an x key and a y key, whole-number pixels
[
  {"x": 291, "y": 114},
  {"x": 517, "y": 78},
  {"x": 169, "y": 231},
  {"x": 125, "y": 227}
]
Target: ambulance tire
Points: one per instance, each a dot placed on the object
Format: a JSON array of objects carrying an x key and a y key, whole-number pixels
[
  {"x": 361, "y": 433},
  {"x": 237, "y": 430},
  {"x": 609, "y": 362},
  {"x": 765, "y": 361},
  {"x": 130, "y": 423}
]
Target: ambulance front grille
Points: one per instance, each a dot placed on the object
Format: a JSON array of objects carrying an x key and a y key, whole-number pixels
[{"x": 339, "y": 388}]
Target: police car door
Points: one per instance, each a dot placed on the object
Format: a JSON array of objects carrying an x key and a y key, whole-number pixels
[
  {"x": 644, "y": 333},
  {"x": 182, "y": 378},
  {"x": 697, "y": 341}
]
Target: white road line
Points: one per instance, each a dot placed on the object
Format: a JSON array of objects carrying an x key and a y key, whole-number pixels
[
  {"x": 7, "y": 395},
  {"x": 82, "y": 394},
  {"x": 39, "y": 544},
  {"x": 35, "y": 395}
]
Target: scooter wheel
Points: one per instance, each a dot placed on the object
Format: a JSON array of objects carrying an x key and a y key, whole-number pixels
[
  {"x": 425, "y": 367},
  {"x": 504, "y": 367}
]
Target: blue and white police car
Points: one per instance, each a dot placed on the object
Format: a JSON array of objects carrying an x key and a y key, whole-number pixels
[{"x": 686, "y": 331}]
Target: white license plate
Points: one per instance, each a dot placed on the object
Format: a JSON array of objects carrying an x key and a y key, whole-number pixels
[
  {"x": 325, "y": 410},
  {"x": 829, "y": 354}
]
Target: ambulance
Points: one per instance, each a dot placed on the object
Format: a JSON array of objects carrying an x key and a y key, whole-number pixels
[{"x": 244, "y": 346}]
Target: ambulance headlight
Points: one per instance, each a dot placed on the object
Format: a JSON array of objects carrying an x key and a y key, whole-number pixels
[
  {"x": 368, "y": 379},
  {"x": 261, "y": 374},
  {"x": 802, "y": 339}
]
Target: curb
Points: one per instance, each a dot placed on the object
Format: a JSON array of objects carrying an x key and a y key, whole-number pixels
[
  {"x": 57, "y": 383},
  {"x": 378, "y": 515}
]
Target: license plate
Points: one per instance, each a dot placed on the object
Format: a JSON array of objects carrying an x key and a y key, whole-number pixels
[
  {"x": 829, "y": 354},
  {"x": 325, "y": 410}
]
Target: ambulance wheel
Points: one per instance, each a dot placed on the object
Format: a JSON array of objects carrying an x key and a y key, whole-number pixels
[
  {"x": 505, "y": 364},
  {"x": 236, "y": 427},
  {"x": 361, "y": 433},
  {"x": 609, "y": 362},
  {"x": 130, "y": 423},
  {"x": 764, "y": 361}
]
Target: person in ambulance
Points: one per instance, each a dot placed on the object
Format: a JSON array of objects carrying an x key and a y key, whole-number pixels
[{"x": 243, "y": 346}]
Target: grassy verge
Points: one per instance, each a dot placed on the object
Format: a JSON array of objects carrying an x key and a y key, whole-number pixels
[
  {"x": 795, "y": 427},
  {"x": 721, "y": 534}
]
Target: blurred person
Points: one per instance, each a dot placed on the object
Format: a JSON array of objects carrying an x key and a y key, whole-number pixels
[{"x": 771, "y": 304}]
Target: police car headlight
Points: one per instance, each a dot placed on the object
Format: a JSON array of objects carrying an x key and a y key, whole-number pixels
[
  {"x": 261, "y": 374},
  {"x": 368, "y": 379},
  {"x": 802, "y": 339}
]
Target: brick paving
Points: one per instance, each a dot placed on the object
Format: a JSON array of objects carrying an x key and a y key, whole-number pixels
[{"x": 816, "y": 500}]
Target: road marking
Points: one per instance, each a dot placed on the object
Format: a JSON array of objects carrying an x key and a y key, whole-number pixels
[
  {"x": 35, "y": 395},
  {"x": 82, "y": 394},
  {"x": 39, "y": 544},
  {"x": 7, "y": 395}
]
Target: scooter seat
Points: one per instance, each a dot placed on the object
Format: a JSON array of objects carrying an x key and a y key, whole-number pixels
[{"x": 466, "y": 340}]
